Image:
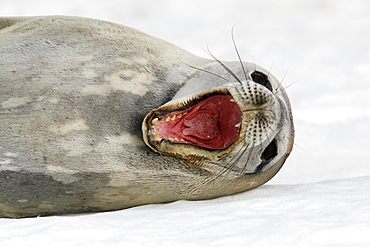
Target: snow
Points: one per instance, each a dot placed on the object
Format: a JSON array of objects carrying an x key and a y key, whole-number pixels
[
  {"x": 318, "y": 214},
  {"x": 321, "y": 197}
]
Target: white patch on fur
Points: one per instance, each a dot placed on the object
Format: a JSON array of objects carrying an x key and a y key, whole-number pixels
[
  {"x": 61, "y": 174},
  {"x": 46, "y": 205},
  {"x": 111, "y": 149},
  {"x": 124, "y": 139},
  {"x": 89, "y": 73},
  {"x": 127, "y": 80},
  {"x": 22, "y": 201},
  {"x": 136, "y": 83},
  {"x": 59, "y": 169},
  {"x": 118, "y": 181},
  {"x": 78, "y": 146},
  {"x": 8, "y": 164},
  {"x": 5, "y": 161},
  {"x": 137, "y": 60},
  {"x": 116, "y": 144},
  {"x": 52, "y": 100},
  {"x": 10, "y": 154},
  {"x": 85, "y": 58},
  {"x": 16, "y": 101},
  {"x": 104, "y": 89},
  {"x": 76, "y": 125}
]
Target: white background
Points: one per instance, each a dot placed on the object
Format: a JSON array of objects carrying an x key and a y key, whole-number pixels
[{"x": 321, "y": 197}]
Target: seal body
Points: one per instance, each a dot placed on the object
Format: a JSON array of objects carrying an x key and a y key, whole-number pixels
[{"x": 83, "y": 105}]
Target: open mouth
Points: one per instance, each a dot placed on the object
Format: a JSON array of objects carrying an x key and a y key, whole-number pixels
[{"x": 212, "y": 123}]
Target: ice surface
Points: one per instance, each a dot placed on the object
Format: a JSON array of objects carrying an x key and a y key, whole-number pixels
[
  {"x": 321, "y": 197},
  {"x": 332, "y": 213}
]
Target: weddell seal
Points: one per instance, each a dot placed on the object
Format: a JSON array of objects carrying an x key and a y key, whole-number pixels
[{"x": 97, "y": 116}]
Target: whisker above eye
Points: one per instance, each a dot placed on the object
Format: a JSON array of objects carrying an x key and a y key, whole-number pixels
[
  {"x": 238, "y": 54},
  {"x": 224, "y": 66},
  {"x": 209, "y": 72}
]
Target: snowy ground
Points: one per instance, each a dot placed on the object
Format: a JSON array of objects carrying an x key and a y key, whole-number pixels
[{"x": 321, "y": 197}]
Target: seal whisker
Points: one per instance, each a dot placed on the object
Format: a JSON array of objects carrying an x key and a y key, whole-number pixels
[
  {"x": 244, "y": 168},
  {"x": 264, "y": 107},
  {"x": 209, "y": 72},
  {"x": 230, "y": 165},
  {"x": 289, "y": 85},
  {"x": 254, "y": 64},
  {"x": 269, "y": 71},
  {"x": 238, "y": 54},
  {"x": 286, "y": 137},
  {"x": 278, "y": 90},
  {"x": 238, "y": 156},
  {"x": 224, "y": 66},
  {"x": 282, "y": 79},
  {"x": 241, "y": 155},
  {"x": 231, "y": 73}
]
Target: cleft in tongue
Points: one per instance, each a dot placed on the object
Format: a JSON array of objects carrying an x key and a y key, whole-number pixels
[{"x": 212, "y": 123}]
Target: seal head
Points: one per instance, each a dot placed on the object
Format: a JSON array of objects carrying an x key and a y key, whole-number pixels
[{"x": 243, "y": 126}]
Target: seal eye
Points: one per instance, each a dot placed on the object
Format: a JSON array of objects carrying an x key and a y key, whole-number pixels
[
  {"x": 261, "y": 79},
  {"x": 270, "y": 151},
  {"x": 267, "y": 155}
]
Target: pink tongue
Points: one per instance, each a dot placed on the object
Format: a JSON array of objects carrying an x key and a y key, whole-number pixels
[{"x": 211, "y": 124}]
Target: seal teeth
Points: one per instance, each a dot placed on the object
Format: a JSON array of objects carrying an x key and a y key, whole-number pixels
[
  {"x": 155, "y": 121},
  {"x": 238, "y": 125},
  {"x": 158, "y": 138},
  {"x": 232, "y": 100}
]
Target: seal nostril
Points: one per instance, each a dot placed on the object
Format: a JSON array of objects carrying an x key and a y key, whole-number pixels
[
  {"x": 262, "y": 79},
  {"x": 270, "y": 151}
]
